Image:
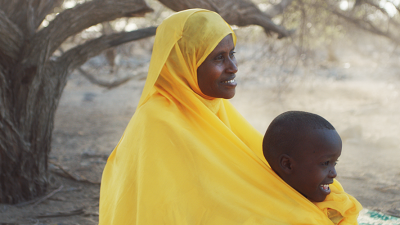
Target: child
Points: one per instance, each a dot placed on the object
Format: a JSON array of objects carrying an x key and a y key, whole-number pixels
[{"x": 303, "y": 148}]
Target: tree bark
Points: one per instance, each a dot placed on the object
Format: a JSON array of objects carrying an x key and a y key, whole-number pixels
[
  {"x": 31, "y": 82},
  {"x": 11, "y": 40},
  {"x": 29, "y": 14}
]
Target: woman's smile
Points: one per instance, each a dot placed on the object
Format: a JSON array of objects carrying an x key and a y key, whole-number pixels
[{"x": 231, "y": 82}]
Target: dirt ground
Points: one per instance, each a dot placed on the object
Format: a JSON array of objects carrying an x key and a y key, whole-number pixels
[{"x": 358, "y": 94}]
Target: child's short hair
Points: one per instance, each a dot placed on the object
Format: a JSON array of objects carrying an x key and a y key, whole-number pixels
[{"x": 287, "y": 129}]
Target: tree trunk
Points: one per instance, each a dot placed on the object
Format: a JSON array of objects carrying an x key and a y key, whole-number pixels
[{"x": 31, "y": 83}]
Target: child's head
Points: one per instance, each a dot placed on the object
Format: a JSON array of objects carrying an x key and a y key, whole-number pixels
[{"x": 303, "y": 148}]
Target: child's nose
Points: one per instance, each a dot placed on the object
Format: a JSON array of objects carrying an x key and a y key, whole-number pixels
[{"x": 332, "y": 173}]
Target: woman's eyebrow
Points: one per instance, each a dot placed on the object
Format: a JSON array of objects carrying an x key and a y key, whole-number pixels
[
  {"x": 223, "y": 51},
  {"x": 220, "y": 52}
]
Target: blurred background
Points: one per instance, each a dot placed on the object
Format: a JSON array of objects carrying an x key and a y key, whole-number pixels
[{"x": 336, "y": 58}]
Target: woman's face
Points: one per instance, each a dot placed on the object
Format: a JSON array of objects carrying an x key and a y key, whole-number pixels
[{"x": 216, "y": 74}]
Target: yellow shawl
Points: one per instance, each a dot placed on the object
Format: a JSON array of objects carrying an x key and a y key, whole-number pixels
[{"x": 186, "y": 158}]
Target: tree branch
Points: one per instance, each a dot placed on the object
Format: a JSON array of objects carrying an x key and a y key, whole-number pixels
[
  {"x": 74, "y": 20},
  {"x": 106, "y": 84},
  {"x": 67, "y": 23},
  {"x": 376, "y": 6},
  {"x": 364, "y": 24},
  {"x": 28, "y": 14},
  {"x": 43, "y": 8},
  {"x": 397, "y": 7},
  {"x": 274, "y": 10},
  {"x": 269, "y": 26},
  {"x": 383, "y": 11},
  {"x": 16, "y": 12},
  {"x": 11, "y": 39},
  {"x": 237, "y": 12},
  {"x": 77, "y": 56}
]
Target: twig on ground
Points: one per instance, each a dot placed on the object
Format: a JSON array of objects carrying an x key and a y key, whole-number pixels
[
  {"x": 36, "y": 202},
  {"x": 91, "y": 214},
  {"x": 71, "y": 176},
  {"x": 62, "y": 214},
  {"x": 72, "y": 189},
  {"x": 394, "y": 212},
  {"x": 48, "y": 196}
]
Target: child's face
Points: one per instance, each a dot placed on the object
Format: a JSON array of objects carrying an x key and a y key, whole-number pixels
[{"x": 314, "y": 166}]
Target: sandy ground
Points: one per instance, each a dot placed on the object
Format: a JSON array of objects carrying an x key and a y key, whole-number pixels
[{"x": 359, "y": 95}]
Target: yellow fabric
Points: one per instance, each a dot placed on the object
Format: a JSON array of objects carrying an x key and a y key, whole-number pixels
[
  {"x": 335, "y": 216},
  {"x": 186, "y": 158},
  {"x": 340, "y": 207}
]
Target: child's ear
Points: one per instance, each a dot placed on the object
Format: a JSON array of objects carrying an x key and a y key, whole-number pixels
[{"x": 286, "y": 163}]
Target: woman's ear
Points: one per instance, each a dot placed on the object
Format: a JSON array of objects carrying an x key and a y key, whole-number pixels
[{"x": 286, "y": 163}]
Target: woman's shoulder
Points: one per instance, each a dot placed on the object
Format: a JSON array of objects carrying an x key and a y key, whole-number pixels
[{"x": 158, "y": 108}]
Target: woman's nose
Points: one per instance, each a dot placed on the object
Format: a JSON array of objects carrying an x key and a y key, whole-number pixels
[
  {"x": 232, "y": 66},
  {"x": 332, "y": 172}
]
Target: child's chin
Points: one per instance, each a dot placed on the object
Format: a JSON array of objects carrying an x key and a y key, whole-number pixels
[{"x": 317, "y": 199}]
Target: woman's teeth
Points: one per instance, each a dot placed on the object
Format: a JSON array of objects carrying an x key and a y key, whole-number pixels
[
  {"x": 325, "y": 186},
  {"x": 229, "y": 81}
]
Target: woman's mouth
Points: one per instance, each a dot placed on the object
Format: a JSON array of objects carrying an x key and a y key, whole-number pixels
[{"x": 229, "y": 81}]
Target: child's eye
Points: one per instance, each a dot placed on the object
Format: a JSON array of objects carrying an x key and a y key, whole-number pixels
[{"x": 325, "y": 163}]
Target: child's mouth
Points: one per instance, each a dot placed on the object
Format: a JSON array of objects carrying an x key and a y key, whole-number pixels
[{"x": 325, "y": 188}]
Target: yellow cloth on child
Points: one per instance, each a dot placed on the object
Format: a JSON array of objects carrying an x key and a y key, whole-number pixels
[
  {"x": 335, "y": 216},
  {"x": 186, "y": 158}
]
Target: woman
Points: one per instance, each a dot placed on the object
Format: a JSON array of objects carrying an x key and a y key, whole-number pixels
[{"x": 187, "y": 156}]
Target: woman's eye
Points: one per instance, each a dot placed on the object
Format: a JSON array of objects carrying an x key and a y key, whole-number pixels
[
  {"x": 325, "y": 163},
  {"x": 232, "y": 54},
  {"x": 220, "y": 57}
]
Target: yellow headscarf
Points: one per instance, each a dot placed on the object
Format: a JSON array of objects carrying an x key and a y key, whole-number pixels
[{"x": 186, "y": 158}]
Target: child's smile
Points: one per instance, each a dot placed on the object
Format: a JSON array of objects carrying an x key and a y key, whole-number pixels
[{"x": 325, "y": 188}]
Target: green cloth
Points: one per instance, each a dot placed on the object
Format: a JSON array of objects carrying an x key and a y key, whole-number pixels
[{"x": 369, "y": 217}]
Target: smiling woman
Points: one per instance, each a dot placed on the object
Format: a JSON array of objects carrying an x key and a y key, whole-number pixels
[
  {"x": 187, "y": 156},
  {"x": 216, "y": 74}
]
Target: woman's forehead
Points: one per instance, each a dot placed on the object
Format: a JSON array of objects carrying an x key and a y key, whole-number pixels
[{"x": 225, "y": 45}]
